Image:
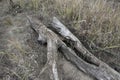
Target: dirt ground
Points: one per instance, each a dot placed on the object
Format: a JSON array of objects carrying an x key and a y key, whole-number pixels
[{"x": 22, "y": 57}]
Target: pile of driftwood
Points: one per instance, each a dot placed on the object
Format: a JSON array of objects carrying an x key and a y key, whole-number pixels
[{"x": 89, "y": 65}]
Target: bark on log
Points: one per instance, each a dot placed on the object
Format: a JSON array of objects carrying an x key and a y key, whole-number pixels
[
  {"x": 44, "y": 36},
  {"x": 101, "y": 72},
  {"x": 52, "y": 56},
  {"x": 64, "y": 32}
]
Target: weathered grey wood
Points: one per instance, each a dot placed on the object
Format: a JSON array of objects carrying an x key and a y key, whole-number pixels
[
  {"x": 104, "y": 72},
  {"x": 62, "y": 30},
  {"x": 45, "y": 36},
  {"x": 52, "y": 56},
  {"x": 35, "y": 25},
  {"x": 101, "y": 72}
]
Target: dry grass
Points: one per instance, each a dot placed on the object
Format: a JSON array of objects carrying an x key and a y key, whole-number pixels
[
  {"x": 31, "y": 4},
  {"x": 97, "y": 20}
]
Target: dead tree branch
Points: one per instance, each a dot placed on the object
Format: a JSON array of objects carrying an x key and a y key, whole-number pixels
[
  {"x": 46, "y": 36},
  {"x": 101, "y": 66},
  {"x": 101, "y": 72}
]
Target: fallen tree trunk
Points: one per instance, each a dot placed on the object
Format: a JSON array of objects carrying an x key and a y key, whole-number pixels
[
  {"x": 101, "y": 72},
  {"x": 63, "y": 31},
  {"x": 44, "y": 36},
  {"x": 52, "y": 56}
]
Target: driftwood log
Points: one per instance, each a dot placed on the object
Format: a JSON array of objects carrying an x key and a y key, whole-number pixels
[
  {"x": 98, "y": 69},
  {"x": 45, "y": 35}
]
